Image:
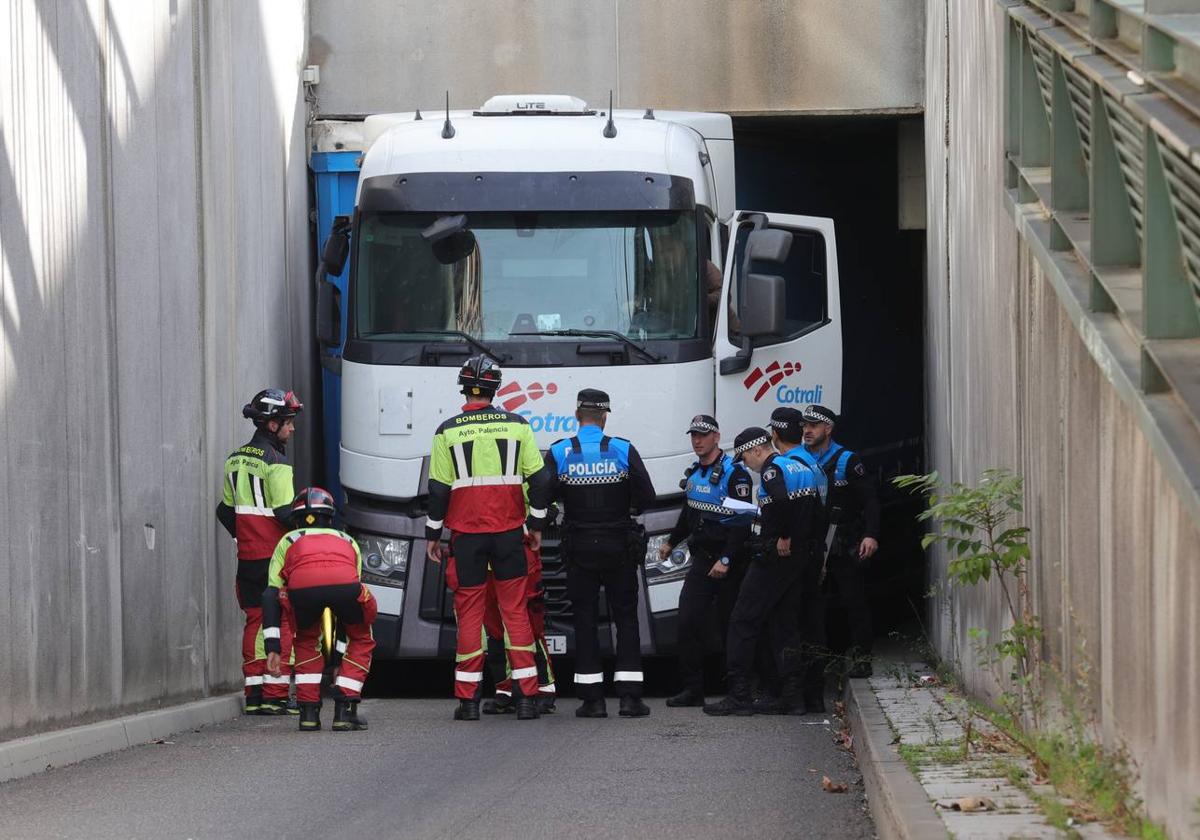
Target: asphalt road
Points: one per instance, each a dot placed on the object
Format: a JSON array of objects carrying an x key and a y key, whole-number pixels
[{"x": 418, "y": 774}]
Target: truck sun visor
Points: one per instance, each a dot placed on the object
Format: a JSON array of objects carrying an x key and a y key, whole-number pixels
[{"x": 462, "y": 192}]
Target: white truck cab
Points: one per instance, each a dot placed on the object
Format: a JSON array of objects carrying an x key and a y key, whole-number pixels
[{"x": 580, "y": 249}]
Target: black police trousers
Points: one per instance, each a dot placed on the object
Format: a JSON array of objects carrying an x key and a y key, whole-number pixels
[
  {"x": 845, "y": 573},
  {"x": 770, "y": 599},
  {"x": 594, "y": 562},
  {"x": 703, "y": 602}
]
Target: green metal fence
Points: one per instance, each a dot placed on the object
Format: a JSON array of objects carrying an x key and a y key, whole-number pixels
[{"x": 1102, "y": 142}]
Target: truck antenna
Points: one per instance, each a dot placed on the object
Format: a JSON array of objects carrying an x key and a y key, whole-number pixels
[
  {"x": 417, "y": 116},
  {"x": 610, "y": 130},
  {"x": 447, "y": 128},
  {"x": 649, "y": 115}
]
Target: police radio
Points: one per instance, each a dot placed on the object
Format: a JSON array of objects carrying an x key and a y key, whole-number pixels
[
  {"x": 683, "y": 482},
  {"x": 714, "y": 477}
]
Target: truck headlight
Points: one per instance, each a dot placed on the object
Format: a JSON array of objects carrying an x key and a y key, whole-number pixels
[
  {"x": 385, "y": 559},
  {"x": 673, "y": 567}
]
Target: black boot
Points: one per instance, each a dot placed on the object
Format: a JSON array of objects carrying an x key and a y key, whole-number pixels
[
  {"x": 272, "y": 707},
  {"x": 293, "y": 707},
  {"x": 346, "y": 717},
  {"x": 501, "y": 705},
  {"x": 633, "y": 707},
  {"x": 592, "y": 709},
  {"x": 545, "y": 703},
  {"x": 738, "y": 702},
  {"x": 310, "y": 717},
  {"x": 527, "y": 708},
  {"x": 792, "y": 701},
  {"x": 253, "y": 701},
  {"x": 690, "y": 696},
  {"x": 766, "y": 703},
  {"x": 467, "y": 710},
  {"x": 731, "y": 705}
]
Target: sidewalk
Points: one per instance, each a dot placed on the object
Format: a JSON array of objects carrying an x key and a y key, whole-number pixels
[
  {"x": 59, "y": 747},
  {"x": 916, "y": 770}
]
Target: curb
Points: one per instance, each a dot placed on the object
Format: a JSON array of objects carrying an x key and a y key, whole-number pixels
[
  {"x": 35, "y": 753},
  {"x": 899, "y": 805}
]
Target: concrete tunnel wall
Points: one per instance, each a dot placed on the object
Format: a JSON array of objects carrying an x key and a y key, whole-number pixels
[
  {"x": 1010, "y": 382},
  {"x": 154, "y": 273},
  {"x": 738, "y": 56}
]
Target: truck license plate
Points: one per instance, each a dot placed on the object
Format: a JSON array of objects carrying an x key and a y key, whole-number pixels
[{"x": 556, "y": 644}]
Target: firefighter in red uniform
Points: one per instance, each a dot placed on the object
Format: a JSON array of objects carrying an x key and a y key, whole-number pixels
[
  {"x": 535, "y": 603},
  {"x": 478, "y": 465},
  {"x": 313, "y": 568},
  {"x": 255, "y": 503}
]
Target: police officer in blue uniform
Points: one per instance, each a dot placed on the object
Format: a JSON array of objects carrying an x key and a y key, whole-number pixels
[
  {"x": 787, "y": 435},
  {"x": 852, "y": 506},
  {"x": 784, "y": 559},
  {"x": 715, "y": 538},
  {"x": 599, "y": 481}
]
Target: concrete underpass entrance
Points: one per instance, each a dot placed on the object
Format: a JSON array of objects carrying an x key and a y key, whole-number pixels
[{"x": 858, "y": 171}]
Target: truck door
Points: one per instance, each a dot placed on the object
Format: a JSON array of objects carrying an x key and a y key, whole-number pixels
[{"x": 778, "y": 335}]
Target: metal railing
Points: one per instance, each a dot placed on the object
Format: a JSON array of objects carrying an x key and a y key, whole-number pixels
[{"x": 1102, "y": 143}]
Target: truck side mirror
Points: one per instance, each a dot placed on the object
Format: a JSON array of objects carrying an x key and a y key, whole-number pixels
[
  {"x": 769, "y": 245},
  {"x": 764, "y": 297},
  {"x": 764, "y": 305},
  {"x": 337, "y": 247},
  {"x": 329, "y": 314}
]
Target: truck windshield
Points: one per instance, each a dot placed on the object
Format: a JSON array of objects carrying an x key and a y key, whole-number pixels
[{"x": 634, "y": 273}]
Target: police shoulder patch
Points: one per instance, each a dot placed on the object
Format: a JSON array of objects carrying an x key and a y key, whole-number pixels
[
  {"x": 742, "y": 491},
  {"x": 859, "y": 469},
  {"x": 770, "y": 473}
]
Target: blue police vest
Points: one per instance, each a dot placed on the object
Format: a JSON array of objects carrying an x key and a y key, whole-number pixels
[
  {"x": 591, "y": 458},
  {"x": 802, "y": 455},
  {"x": 706, "y": 491},
  {"x": 842, "y": 456},
  {"x": 799, "y": 479}
]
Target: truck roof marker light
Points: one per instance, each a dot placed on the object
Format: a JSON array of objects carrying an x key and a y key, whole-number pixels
[
  {"x": 447, "y": 128},
  {"x": 610, "y": 130},
  {"x": 649, "y": 115},
  {"x": 417, "y": 116}
]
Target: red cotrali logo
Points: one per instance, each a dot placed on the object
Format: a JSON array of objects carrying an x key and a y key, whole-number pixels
[
  {"x": 512, "y": 396},
  {"x": 769, "y": 376}
]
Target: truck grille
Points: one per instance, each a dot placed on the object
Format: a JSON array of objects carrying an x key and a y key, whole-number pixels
[
  {"x": 437, "y": 602},
  {"x": 554, "y": 580}
]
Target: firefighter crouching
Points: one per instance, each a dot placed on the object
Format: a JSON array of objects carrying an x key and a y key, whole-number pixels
[
  {"x": 315, "y": 567},
  {"x": 254, "y": 507}
]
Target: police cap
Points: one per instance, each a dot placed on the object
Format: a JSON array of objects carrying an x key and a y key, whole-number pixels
[
  {"x": 786, "y": 419},
  {"x": 593, "y": 399},
  {"x": 703, "y": 424},
  {"x": 748, "y": 439},
  {"x": 819, "y": 414}
]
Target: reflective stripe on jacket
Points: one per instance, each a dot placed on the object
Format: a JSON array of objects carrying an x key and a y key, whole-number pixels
[{"x": 257, "y": 480}]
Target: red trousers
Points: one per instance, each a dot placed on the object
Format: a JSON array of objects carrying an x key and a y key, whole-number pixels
[
  {"x": 535, "y": 605},
  {"x": 474, "y": 560},
  {"x": 249, "y": 584},
  {"x": 355, "y": 609}
]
